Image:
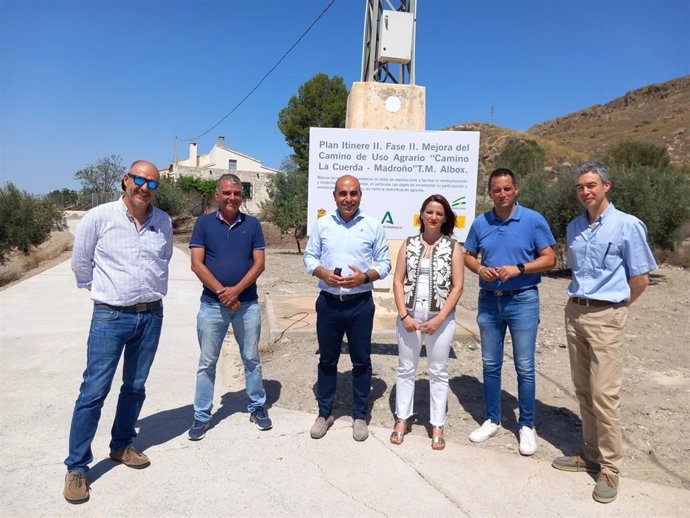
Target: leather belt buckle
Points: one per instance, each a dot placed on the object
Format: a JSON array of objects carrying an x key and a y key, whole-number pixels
[
  {"x": 498, "y": 293},
  {"x": 141, "y": 307}
]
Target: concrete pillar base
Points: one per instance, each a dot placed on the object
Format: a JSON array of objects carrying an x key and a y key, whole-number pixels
[{"x": 386, "y": 106}]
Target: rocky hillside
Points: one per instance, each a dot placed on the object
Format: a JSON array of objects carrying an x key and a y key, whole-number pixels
[
  {"x": 657, "y": 114},
  {"x": 494, "y": 138}
]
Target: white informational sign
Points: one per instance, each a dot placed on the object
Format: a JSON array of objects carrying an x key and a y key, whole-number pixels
[{"x": 397, "y": 171}]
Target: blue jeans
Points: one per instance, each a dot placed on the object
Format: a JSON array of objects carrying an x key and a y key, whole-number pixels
[
  {"x": 335, "y": 319},
  {"x": 212, "y": 324},
  {"x": 112, "y": 332},
  {"x": 520, "y": 314}
]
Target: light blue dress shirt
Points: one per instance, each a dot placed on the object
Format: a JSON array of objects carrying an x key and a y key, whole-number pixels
[
  {"x": 604, "y": 256},
  {"x": 336, "y": 243}
]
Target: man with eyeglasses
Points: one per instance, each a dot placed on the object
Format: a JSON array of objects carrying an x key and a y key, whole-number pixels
[
  {"x": 347, "y": 251},
  {"x": 121, "y": 254},
  {"x": 610, "y": 260},
  {"x": 228, "y": 257}
]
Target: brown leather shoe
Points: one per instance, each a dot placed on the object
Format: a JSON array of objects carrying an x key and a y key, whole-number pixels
[
  {"x": 76, "y": 487},
  {"x": 131, "y": 457}
]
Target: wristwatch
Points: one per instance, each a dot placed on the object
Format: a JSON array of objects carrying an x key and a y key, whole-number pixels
[
  {"x": 521, "y": 267},
  {"x": 367, "y": 280}
]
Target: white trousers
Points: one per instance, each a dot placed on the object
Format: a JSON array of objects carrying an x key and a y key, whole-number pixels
[{"x": 437, "y": 351}]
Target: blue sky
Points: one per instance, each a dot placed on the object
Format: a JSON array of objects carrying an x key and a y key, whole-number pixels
[{"x": 84, "y": 79}]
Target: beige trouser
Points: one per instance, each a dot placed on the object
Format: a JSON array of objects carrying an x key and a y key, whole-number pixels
[{"x": 595, "y": 344}]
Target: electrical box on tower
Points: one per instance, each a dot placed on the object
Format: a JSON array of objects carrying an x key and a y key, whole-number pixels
[{"x": 396, "y": 32}]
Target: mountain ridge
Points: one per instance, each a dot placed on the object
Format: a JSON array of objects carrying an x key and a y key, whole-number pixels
[{"x": 657, "y": 113}]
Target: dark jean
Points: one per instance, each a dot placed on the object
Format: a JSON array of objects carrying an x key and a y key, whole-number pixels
[
  {"x": 335, "y": 319},
  {"x": 520, "y": 314},
  {"x": 112, "y": 332}
]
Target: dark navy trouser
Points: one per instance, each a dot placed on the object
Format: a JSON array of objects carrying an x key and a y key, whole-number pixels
[{"x": 335, "y": 319}]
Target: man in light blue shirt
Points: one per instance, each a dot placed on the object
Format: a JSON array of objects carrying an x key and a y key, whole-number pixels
[
  {"x": 610, "y": 260},
  {"x": 347, "y": 251}
]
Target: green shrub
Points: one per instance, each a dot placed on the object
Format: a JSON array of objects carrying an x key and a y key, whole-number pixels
[
  {"x": 171, "y": 198},
  {"x": 658, "y": 196},
  {"x": 554, "y": 199},
  {"x": 66, "y": 199},
  {"x": 26, "y": 220},
  {"x": 523, "y": 157},
  {"x": 631, "y": 154},
  {"x": 287, "y": 204},
  {"x": 203, "y": 188}
]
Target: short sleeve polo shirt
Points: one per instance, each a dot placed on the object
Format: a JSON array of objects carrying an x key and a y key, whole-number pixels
[
  {"x": 229, "y": 250},
  {"x": 517, "y": 239}
]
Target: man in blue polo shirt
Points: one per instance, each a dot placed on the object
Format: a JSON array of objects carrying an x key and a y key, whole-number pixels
[
  {"x": 515, "y": 244},
  {"x": 347, "y": 251},
  {"x": 611, "y": 260},
  {"x": 228, "y": 256}
]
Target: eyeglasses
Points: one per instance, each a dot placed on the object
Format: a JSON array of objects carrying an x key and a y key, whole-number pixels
[{"x": 140, "y": 181}]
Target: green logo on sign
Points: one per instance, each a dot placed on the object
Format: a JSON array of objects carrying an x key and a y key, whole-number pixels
[{"x": 387, "y": 218}]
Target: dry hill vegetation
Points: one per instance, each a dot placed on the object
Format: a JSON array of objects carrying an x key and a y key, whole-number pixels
[{"x": 658, "y": 114}]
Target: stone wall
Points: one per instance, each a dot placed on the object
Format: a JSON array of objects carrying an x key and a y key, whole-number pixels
[{"x": 257, "y": 180}]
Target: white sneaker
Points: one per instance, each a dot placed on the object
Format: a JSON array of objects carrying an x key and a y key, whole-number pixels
[
  {"x": 485, "y": 431},
  {"x": 528, "y": 441}
]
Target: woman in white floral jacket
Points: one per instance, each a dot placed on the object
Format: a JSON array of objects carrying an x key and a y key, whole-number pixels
[{"x": 427, "y": 285}]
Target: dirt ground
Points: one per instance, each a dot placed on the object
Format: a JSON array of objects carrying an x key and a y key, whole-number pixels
[{"x": 656, "y": 382}]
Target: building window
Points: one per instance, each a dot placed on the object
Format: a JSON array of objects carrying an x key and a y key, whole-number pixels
[
  {"x": 232, "y": 165},
  {"x": 247, "y": 190}
]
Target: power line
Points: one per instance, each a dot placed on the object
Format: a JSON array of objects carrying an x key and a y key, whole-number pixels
[{"x": 264, "y": 77}]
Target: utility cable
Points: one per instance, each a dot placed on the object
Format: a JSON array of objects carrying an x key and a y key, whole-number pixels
[{"x": 264, "y": 77}]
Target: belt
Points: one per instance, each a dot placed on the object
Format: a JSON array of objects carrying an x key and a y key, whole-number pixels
[
  {"x": 346, "y": 297},
  {"x": 504, "y": 293},
  {"x": 592, "y": 302},
  {"x": 142, "y": 307}
]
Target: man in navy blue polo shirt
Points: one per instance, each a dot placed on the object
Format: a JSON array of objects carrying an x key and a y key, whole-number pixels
[
  {"x": 228, "y": 256},
  {"x": 515, "y": 244}
]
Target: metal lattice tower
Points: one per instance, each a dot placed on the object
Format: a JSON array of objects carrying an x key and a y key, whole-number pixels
[{"x": 374, "y": 68}]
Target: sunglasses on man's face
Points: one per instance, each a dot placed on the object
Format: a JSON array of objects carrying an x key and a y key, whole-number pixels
[{"x": 140, "y": 181}]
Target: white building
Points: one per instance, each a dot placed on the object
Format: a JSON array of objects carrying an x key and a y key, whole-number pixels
[{"x": 222, "y": 160}]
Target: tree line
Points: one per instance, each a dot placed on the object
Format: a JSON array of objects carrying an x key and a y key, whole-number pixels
[{"x": 645, "y": 183}]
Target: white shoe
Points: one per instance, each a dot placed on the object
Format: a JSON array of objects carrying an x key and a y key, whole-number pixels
[
  {"x": 485, "y": 431},
  {"x": 528, "y": 441}
]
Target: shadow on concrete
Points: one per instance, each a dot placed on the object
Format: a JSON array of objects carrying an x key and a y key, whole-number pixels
[
  {"x": 556, "y": 425},
  {"x": 391, "y": 349},
  {"x": 236, "y": 402},
  {"x": 155, "y": 429},
  {"x": 163, "y": 426},
  {"x": 342, "y": 404}
]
